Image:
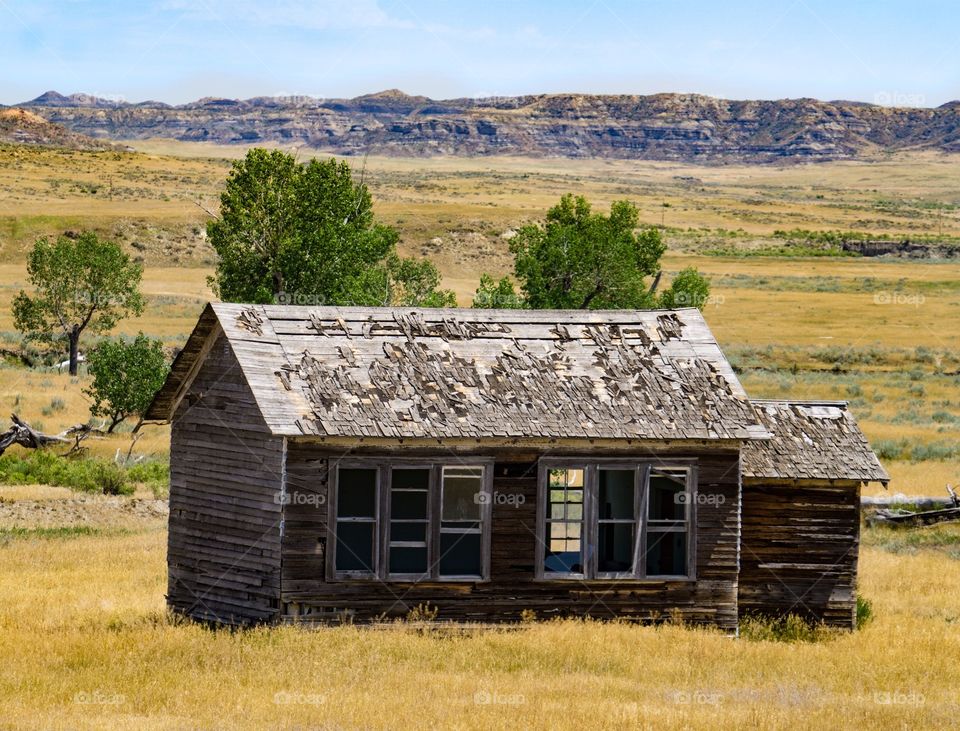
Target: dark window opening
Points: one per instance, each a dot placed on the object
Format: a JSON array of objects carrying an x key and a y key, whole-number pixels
[
  {"x": 356, "y": 523},
  {"x": 426, "y": 522}
]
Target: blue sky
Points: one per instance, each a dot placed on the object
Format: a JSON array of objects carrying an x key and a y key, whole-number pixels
[{"x": 179, "y": 50}]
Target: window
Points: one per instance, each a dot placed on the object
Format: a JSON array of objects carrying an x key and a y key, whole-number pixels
[
  {"x": 564, "y": 552},
  {"x": 461, "y": 522},
  {"x": 613, "y": 520},
  {"x": 667, "y": 508},
  {"x": 356, "y": 529},
  {"x": 411, "y": 522}
]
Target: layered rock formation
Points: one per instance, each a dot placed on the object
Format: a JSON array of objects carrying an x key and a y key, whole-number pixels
[{"x": 658, "y": 127}]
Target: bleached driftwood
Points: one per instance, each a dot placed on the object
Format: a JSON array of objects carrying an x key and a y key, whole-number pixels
[{"x": 20, "y": 432}]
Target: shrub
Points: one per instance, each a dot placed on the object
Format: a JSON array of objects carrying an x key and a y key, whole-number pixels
[
  {"x": 423, "y": 613},
  {"x": 111, "y": 478},
  {"x": 791, "y": 628},
  {"x": 46, "y": 468},
  {"x": 864, "y": 612},
  {"x": 155, "y": 475}
]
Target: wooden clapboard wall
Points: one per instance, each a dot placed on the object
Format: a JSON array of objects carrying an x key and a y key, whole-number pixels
[
  {"x": 308, "y": 595},
  {"x": 800, "y": 545},
  {"x": 225, "y": 479}
]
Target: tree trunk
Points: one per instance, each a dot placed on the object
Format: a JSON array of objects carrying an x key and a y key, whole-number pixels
[{"x": 74, "y": 338}]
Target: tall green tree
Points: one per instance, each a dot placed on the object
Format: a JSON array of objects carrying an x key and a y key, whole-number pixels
[
  {"x": 82, "y": 283},
  {"x": 578, "y": 259},
  {"x": 294, "y": 232},
  {"x": 126, "y": 375}
]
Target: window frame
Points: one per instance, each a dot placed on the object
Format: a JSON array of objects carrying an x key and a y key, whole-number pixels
[
  {"x": 590, "y": 526},
  {"x": 384, "y": 467}
]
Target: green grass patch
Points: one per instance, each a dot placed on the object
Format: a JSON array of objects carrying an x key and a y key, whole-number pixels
[{"x": 83, "y": 474}]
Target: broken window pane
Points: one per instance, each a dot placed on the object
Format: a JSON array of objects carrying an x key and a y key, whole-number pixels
[
  {"x": 408, "y": 504},
  {"x": 404, "y": 532},
  {"x": 408, "y": 559},
  {"x": 411, "y": 479}
]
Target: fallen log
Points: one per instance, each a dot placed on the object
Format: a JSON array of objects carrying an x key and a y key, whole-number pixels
[
  {"x": 949, "y": 511},
  {"x": 906, "y": 518},
  {"x": 26, "y": 436}
]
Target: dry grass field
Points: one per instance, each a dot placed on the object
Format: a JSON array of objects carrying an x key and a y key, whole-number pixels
[{"x": 85, "y": 642}]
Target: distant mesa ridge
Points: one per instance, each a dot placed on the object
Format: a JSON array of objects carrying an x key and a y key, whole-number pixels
[{"x": 678, "y": 127}]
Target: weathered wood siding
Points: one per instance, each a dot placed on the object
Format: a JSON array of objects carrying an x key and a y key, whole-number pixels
[
  {"x": 225, "y": 476},
  {"x": 709, "y": 599},
  {"x": 799, "y": 550}
]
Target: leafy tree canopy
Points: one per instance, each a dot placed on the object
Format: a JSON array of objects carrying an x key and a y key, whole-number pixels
[
  {"x": 79, "y": 283},
  {"x": 688, "y": 289},
  {"x": 497, "y": 294},
  {"x": 305, "y": 233},
  {"x": 578, "y": 259},
  {"x": 581, "y": 260},
  {"x": 126, "y": 375}
]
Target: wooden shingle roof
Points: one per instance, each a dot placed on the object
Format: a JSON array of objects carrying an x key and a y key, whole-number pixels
[
  {"x": 811, "y": 440},
  {"x": 478, "y": 374}
]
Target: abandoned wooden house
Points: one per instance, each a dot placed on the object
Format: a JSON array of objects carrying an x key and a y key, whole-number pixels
[{"x": 359, "y": 462}]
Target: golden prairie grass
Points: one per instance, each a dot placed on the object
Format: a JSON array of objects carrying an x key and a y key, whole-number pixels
[{"x": 85, "y": 644}]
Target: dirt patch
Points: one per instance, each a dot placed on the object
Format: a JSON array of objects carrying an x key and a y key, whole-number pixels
[{"x": 99, "y": 511}]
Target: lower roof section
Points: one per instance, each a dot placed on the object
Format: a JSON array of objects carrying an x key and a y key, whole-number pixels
[{"x": 811, "y": 440}]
